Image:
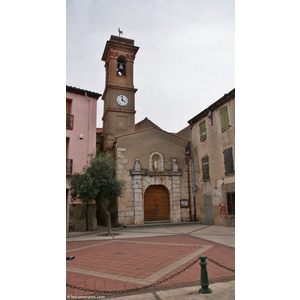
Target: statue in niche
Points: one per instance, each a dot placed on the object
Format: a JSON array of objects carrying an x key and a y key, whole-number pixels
[
  {"x": 174, "y": 165},
  {"x": 137, "y": 165},
  {"x": 155, "y": 164}
]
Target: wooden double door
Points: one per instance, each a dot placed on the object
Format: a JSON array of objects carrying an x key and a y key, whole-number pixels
[{"x": 156, "y": 203}]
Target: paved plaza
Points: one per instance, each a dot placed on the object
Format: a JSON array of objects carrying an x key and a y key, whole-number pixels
[{"x": 141, "y": 256}]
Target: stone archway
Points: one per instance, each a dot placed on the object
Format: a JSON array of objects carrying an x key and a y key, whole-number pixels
[
  {"x": 156, "y": 204},
  {"x": 141, "y": 180}
]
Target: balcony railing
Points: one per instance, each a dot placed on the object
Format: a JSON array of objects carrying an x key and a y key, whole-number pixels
[
  {"x": 70, "y": 121},
  {"x": 69, "y": 166}
]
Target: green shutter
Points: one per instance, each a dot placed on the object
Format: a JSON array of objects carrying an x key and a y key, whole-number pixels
[
  {"x": 202, "y": 127},
  {"x": 205, "y": 168},
  {"x": 224, "y": 118},
  {"x": 228, "y": 161}
]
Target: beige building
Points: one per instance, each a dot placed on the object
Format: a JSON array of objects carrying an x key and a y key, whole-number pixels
[
  {"x": 213, "y": 149},
  {"x": 151, "y": 161}
]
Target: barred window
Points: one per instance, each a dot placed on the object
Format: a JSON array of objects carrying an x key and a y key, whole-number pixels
[
  {"x": 205, "y": 168},
  {"x": 228, "y": 161},
  {"x": 202, "y": 128},
  {"x": 224, "y": 118}
]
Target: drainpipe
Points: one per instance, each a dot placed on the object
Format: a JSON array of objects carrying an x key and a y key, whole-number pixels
[
  {"x": 88, "y": 145},
  {"x": 88, "y": 139},
  {"x": 189, "y": 185},
  {"x": 193, "y": 172}
]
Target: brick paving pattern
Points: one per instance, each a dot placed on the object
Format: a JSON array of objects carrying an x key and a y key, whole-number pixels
[{"x": 119, "y": 264}]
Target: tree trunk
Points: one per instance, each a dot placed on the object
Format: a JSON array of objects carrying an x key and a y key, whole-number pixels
[
  {"x": 108, "y": 221},
  {"x": 87, "y": 217}
]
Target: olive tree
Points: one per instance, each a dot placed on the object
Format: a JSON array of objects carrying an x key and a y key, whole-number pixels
[{"x": 97, "y": 182}]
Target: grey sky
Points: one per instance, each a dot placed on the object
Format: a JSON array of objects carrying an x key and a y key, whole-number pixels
[{"x": 185, "y": 61}]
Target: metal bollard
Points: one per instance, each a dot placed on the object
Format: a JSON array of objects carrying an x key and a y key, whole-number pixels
[{"x": 204, "y": 277}]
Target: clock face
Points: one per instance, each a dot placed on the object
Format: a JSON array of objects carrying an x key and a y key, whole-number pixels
[{"x": 122, "y": 100}]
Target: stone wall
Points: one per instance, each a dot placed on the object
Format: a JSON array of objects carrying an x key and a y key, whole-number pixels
[
  {"x": 77, "y": 218},
  {"x": 125, "y": 202},
  {"x": 137, "y": 180}
]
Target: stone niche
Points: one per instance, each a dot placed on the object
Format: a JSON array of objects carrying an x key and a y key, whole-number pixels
[{"x": 156, "y": 162}]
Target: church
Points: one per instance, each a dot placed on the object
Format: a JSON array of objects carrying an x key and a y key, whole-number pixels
[
  {"x": 153, "y": 163},
  {"x": 182, "y": 177}
]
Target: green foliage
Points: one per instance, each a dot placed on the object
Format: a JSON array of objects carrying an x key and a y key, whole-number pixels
[{"x": 97, "y": 181}]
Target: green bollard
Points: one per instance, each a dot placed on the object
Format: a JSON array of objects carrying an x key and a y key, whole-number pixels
[{"x": 204, "y": 277}]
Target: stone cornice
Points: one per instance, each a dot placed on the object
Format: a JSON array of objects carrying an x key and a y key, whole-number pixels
[
  {"x": 120, "y": 88},
  {"x": 115, "y": 44},
  {"x": 118, "y": 110},
  {"x": 155, "y": 173}
]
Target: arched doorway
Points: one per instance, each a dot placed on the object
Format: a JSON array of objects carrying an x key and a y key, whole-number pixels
[{"x": 156, "y": 203}]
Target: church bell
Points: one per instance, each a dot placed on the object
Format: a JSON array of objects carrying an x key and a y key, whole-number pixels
[{"x": 121, "y": 67}]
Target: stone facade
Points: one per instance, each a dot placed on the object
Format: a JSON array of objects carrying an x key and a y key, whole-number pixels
[
  {"x": 144, "y": 171},
  {"x": 145, "y": 155}
]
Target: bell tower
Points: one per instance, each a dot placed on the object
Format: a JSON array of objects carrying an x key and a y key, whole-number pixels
[{"x": 119, "y": 103}]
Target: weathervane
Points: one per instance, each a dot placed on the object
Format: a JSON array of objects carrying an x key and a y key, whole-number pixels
[{"x": 120, "y": 31}]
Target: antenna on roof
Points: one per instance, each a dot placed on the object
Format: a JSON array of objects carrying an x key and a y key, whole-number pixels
[{"x": 120, "y": 31}]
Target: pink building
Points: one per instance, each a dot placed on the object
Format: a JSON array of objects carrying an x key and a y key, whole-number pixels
[{"x": 81, "y": 110}]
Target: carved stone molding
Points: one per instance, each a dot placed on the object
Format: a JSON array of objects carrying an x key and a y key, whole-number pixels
[
  {"x": 112, "y": 54},
  {"x": 130, "y": 57}
]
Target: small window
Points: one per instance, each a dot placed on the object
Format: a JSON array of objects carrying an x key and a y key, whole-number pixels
[
  {"x": 231, "y": 202},
  {"x": 224, "y": 118},
  {"x": 69, "y": 117},
  {"x": 205, "y": 168},
  {"x": 228, "y": 161},
  {"x": 202, "y": 128},
  {"x": 68, "y": 106}
]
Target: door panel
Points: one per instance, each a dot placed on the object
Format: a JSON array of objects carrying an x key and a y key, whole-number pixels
[
  {"x": 156, "y": 203},
  {"x": 208, "y": 209}
]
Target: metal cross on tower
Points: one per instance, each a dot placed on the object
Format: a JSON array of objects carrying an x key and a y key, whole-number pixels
[{"x": 120, "y": 31}]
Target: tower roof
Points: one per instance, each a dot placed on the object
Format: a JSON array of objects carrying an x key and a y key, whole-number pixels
[{"x": 116, "y": 42}]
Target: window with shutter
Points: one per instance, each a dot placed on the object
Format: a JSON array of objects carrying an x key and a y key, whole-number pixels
[
  {"x": 228, "y": 161},
  {"x": 224, "y": 118},
  {"x": 69, "y": 117},
  {"x": 205, "y": 168},
  {"x": 231, "y": 202},
  {"x": 202, "y": 127}
]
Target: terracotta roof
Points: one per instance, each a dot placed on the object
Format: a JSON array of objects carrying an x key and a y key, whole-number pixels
[
  {"x": 182, "y": 129},
  {"x": 133, "y": 132},
  {"x": 215, "y": 105},
  {"x": 83, "y": 92},
  {"x": 149, "y": 121},
  {"x": 150, "y": 128}
]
